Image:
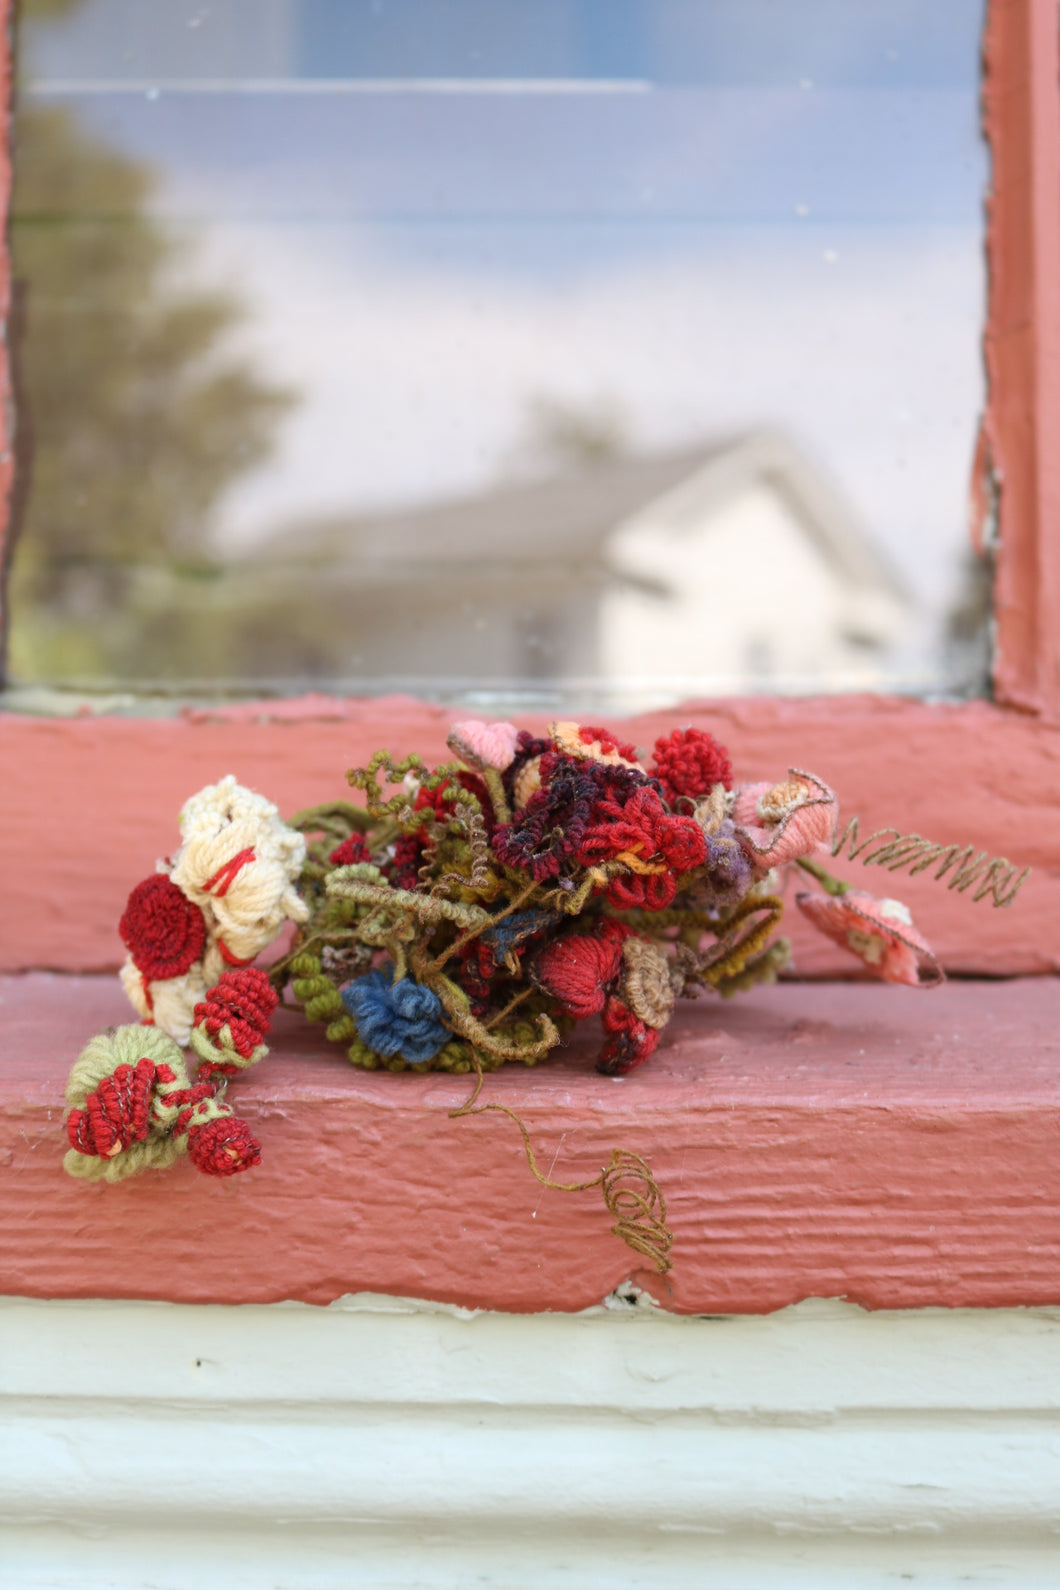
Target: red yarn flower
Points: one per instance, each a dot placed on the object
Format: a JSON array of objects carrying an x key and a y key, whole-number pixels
[
  {"x": 690, "y": 762},
  {"x": 576, "y": 970},
  {"x": 402, "y": 870},
  {"x": 243, "y": 1001},
  {"x": 163, "y": 930},
  {"x": 649, "y": 840},
  {"x": 350, "y": 852},
  {"x": 478, "y": 967},
  {"x": 630, "y": 1043}
]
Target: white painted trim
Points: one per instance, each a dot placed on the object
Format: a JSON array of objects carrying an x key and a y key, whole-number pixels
[{"x": 385, "y": 1443}]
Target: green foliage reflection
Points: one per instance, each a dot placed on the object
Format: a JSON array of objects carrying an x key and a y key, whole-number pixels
[{"x": 133, "y": 417}]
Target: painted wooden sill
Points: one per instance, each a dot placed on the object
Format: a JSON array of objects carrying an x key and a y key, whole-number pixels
[{"x": 895, "y": 1148}]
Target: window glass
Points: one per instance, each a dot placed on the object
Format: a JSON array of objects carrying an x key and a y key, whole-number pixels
[{"x": 612, "y": 351}]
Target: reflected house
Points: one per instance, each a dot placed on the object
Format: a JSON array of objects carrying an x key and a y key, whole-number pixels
[{"x": 732, "y": 565}]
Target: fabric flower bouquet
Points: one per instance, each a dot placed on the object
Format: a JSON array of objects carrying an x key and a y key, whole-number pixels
[{"x": 466, "y": 915}]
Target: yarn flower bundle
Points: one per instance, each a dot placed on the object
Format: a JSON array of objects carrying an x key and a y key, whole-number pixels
[
  {"x": 474, "y": 914},
  {"x": 191, "y": 930},
  {"x": 469, "y": 914}
]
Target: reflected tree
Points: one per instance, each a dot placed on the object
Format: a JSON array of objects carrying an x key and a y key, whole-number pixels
[{"x": 133, "y": 417}]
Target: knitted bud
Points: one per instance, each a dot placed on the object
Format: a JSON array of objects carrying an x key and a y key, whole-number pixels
[
  {"x": 119, "y": 1089},
  {"x": 233, "y": 1020},
  {"x": 484, "y": 745},
  {"x": 116, "y": 1113},
  {"x": 223, "y": 1146}
]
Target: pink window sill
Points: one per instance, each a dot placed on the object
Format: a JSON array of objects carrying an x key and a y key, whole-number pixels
[{"x": 895, "y": 1148}]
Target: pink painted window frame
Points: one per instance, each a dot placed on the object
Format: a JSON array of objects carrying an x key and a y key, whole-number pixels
[
  {"x": 923, "y": 1173},
  {"x": 80, "y": 797}
]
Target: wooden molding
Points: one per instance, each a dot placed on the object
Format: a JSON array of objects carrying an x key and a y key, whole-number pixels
[{"x": 377, "y": 1443}]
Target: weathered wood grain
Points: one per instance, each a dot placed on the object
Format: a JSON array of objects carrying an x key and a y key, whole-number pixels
[{"x": 888, "y": 1146}]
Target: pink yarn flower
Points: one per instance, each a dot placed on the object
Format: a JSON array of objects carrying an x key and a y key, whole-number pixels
[
  {"x": 780, "y": 822},
  {"x": 879, "y": 932},
  {"x": 484, "y": 745}
]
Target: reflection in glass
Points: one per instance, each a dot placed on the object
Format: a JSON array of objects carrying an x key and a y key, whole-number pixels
[{"x": 612, "y": 352}]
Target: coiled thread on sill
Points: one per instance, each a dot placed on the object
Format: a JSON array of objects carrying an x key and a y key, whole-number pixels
[{"x": 633, "y": 1197}]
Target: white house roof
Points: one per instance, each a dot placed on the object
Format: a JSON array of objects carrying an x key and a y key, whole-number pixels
[{"x": 568, "y": 520}]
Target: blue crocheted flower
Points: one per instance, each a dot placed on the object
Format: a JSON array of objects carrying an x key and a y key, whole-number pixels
[{"x": 396, "y": 1018}]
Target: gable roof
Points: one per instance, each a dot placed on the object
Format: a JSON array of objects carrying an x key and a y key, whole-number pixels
[{"x": 568, "y": 520}]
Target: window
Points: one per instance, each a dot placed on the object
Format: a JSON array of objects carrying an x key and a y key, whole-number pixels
[{"x": 620, "y": 355}]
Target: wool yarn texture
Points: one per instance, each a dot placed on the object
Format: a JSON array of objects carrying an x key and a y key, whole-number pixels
[
  {"x": 240, "y": 863},
  {"x": 135, "y": 1107},
  {"x": 223, "y": 898},
  {"x": 465, "y": 915}
]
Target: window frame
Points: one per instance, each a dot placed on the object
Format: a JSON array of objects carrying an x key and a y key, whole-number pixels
[
  {"x": 925, "y": 1174},
  {"x": 978, "y": 772}
]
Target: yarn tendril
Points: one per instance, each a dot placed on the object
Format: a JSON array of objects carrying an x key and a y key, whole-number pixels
[
  {"x": 897, "y": 852},
  {"x": 632, "y": 1196}
]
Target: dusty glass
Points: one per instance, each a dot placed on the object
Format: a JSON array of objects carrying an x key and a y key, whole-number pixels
[{"x": 612, "y": 351}]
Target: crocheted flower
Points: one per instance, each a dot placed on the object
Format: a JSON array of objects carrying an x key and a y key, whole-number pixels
[
  {"x": 726, "y": 873},
  {"x": 646, "y": 986},
  {"x": 690, "y": 762},
  {"x": 401, "y": 1018},
  {"x": 239, "y": 861},
  {"x": 163, "y": 930},
  {"x": 551, "y": 826},
  {"x": 879, "y": 932},
  {"x": 484, "y": 745},
  {"x": 350, "y": 852},
  {"x": 134, "y": 1109},
  {"x": 780, "y": 822},
  {"x": 636, "y": 829},
  {"x": 578, "y": 969}
]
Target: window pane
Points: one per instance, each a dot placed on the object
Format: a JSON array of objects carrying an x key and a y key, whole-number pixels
[{"x": 610, "y": 351}]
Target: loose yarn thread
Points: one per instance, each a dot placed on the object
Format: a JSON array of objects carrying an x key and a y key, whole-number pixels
[
  {"x": 997, "y": 876},
  {"x": 631, "y": 1194}
]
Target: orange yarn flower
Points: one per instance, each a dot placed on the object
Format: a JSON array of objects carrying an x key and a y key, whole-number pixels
[
  {"x": 593, "y": 744},
  {"x": 879, "y": 932},
  {"x": 777, "y": 823}
]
